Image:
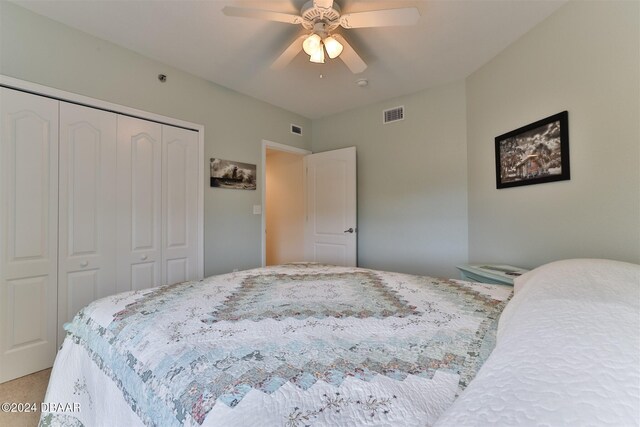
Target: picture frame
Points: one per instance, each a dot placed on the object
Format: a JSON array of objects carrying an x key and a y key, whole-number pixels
[
  {"x": 231, "y": 174},
  {"x": 534, "y": 154}
]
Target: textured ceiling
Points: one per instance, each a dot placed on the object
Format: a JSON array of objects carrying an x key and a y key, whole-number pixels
[{"x": 452, "y": 39}]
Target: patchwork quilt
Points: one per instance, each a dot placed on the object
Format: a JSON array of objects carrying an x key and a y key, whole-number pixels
[{"x": 293, "y": 345}]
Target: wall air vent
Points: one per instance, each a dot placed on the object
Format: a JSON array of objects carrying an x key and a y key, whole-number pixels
[
  {"x": 296, "y": 129},
  {"x": 393, "y": 115}
]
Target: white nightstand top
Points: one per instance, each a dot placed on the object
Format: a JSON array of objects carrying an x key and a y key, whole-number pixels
[{"x": 491, "y": 273}]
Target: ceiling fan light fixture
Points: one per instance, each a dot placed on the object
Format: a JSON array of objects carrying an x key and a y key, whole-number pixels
[
  {"x": 312, "y": 44},
  {"x": 333, "y": 46},
  {"x": 322, "y": 17},
  {"x": 317, "y": 57}
]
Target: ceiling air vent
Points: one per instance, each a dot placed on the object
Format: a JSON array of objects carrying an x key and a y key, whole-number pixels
[
  {"x": 296, "y": 129},
  {"x": 393, "y": 114}
]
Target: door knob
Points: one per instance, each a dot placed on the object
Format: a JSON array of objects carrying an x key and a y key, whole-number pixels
[
  {"x": 349, "y": 230},
  {"x": 84, "y": 264},
  {"x": 143, "y": 257}
]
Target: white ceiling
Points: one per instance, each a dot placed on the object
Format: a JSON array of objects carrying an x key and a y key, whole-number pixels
[{"x": 452, "y": 39}]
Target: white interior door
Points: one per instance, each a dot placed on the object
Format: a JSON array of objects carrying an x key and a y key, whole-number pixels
[
  {"x": 180, "y": 184},
  {"x": 330, "y": 230},
  {"x": 28, "y": 232},
  {"x": 139, "y": 242},
  {"x": 87, "y": 233}
]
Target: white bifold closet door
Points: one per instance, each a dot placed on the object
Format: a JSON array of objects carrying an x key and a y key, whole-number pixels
[
  {"x": 91, "y": 203},
  {"x": 157, "y": 204},
  {"x": 28, "y": 232},
  {"x": 139, "y": 204},
  {"x": 179, "y": 205},
  {"x": 87, "y": 233}
]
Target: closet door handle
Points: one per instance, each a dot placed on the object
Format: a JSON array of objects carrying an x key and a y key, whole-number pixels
[
  {"x": 349, "y": 230},
  {"x": 143, "y": 257},
  {"x": 83, "y": 264}
]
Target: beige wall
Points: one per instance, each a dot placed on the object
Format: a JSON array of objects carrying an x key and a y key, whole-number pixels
[
  {"x": 284, "y": 207},
  {"x": 412, "y": 180},
  {"x": 40, "y": 50},
  {"x": 585, "y": 58}
]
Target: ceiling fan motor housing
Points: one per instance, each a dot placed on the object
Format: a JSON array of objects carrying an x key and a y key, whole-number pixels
[{"x": 313, "y": 15}]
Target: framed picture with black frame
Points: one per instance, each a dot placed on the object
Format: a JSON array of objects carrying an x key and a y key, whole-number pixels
[
  {"x": 232, "y": 174},
  {"x": 534, "y": 154}
]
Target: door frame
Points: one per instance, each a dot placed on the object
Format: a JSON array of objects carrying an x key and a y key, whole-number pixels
[
  {"x": 73, "y": 98},
  {"x": 266, "y": 144}
]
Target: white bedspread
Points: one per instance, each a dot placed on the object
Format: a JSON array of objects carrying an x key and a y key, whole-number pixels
[
  {"x": 291, "y": 346},
  {"x": 568, "y": 352}
]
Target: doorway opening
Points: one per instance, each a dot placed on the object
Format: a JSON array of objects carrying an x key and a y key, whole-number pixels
[{"x": 283, "y": 199}]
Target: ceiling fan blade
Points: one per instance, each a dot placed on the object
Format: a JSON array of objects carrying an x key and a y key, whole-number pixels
[
  {"x": 350, "y": 57},
  {"x": 291, "y": 52},
  {"x": 381, "y": 18},
  {"x": 324, "y": 4},
  {"x": 262, "y": 14}
]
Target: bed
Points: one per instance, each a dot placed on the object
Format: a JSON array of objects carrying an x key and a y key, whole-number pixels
[
  {"x": 310, "y": 344},
  {"x": 567, "y": 352},
  {"x": 292, "y": 345}
]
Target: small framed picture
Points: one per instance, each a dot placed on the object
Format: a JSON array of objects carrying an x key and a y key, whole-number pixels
[
  {"x": 535, "y": 153},
  {"x": 231, "y": 174}
]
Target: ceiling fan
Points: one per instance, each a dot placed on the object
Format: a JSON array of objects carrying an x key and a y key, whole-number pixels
[{"x": 320, "y": 18}]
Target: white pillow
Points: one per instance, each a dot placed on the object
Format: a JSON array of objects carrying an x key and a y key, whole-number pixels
[{"x": 599, "y": 280}]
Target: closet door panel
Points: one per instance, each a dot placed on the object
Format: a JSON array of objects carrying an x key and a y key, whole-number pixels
[
  {"x": 143, "y": 275},
  {"x": 139, "y": 203},
  {"x": 87, "y": 229},
  {"x": 179, "y": 204},
  {"x": 82, "y": 288},
  {"x": 28, "y": 232},
  {"x": 144, "y": 179}
]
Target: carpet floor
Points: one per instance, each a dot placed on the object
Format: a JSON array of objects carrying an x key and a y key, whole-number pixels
[{"x": 28, "y": 389}]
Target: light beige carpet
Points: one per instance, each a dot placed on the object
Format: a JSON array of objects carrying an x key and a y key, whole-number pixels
[{"x": 28, "y": 389}]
